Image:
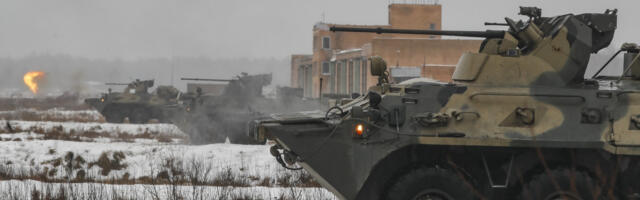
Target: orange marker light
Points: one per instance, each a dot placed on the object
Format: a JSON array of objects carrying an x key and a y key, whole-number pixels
[{"x": 359, "y": 129}]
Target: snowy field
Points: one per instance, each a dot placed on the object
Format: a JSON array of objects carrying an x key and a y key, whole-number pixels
[
  {"x": 95, "y": 160},
  {"x": 38, "y": 190},
  {"x": 89, "y": 131},
  {"x": 57, "y": 115},
  {"x": 249, "y": 164}
]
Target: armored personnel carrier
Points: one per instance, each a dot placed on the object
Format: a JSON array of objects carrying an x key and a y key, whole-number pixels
[
  {"x": 519, "y": 121},
  {"x": 138, "y": 105}
]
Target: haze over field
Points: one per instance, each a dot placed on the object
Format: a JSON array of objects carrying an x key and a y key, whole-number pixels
[
  {"x": 121, "y": 40},
  {"x": 132, "y": 29}
]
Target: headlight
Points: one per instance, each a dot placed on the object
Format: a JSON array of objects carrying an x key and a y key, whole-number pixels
[{"x": 359, "y": 131}]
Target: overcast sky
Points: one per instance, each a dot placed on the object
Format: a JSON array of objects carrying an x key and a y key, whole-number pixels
[{"x": 132, "y": 29}]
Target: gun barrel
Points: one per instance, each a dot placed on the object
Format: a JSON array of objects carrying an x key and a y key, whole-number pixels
[
  {"x": 379, "y": 30},
  {"x": 116, "y": 84},
  {"x": 205, "y": 79},
  {"x": 495, "y": 24}
]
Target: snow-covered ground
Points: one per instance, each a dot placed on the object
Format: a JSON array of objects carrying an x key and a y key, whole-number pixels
[
  {"x": 12, "y": 130},
  {"x": 105, "y": 129},
  {"x": 55, "y": 114},
  {"x": 250, "y": 163},
  {"x": 39, "y": 155},
  {"x": 34, "y": 189}
]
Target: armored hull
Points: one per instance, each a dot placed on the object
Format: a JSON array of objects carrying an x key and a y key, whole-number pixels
[
  {"x": 139, "y": 106},
  {"x": 519, "y": 122}
]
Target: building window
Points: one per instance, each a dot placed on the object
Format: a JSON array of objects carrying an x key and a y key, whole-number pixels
[
  {"x": 308, "y": 85},
  {"x": 350, "y": 77},
  {"x": 325, "y": 69},
  {"x": 326, "y": 42},
  {"x": 364, "y": 75},
  {"x": 342, "y": 81},
  {"x": 356, "y": 77},
  {"x": 301, "y": 76},
  {"x": 332, "y": 80}
]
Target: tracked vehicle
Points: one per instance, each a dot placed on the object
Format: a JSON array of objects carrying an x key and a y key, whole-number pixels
[{"x": 520, "y": 121}]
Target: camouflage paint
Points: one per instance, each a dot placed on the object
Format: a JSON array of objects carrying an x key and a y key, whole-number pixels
[{"x": 535, "y": 72}]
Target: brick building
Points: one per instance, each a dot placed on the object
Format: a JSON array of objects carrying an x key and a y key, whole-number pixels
[{"x": 338, "y": 64}]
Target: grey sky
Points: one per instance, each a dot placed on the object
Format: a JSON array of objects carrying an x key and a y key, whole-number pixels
[{"x": 133, "y": 29}]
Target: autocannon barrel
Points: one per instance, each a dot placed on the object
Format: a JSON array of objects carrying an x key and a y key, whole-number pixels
[
  {"x": 379, "y": 30},
  {"x": 204, "y": 79}
]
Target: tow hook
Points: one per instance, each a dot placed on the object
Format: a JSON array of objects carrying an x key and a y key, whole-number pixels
[{"x": 284, "y": 157}]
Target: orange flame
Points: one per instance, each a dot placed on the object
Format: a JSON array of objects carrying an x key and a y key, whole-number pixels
[{"x": 31, "y": 79}]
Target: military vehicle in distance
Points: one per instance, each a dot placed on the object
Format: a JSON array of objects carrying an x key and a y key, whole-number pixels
[
  {"x": 139, "y": 106},
  {"x": 215, "y": 118},
  {"x": 520, "y": 121}
]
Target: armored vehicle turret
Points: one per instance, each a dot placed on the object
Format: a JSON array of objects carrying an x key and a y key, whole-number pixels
[{"x": 519, "y": 121}]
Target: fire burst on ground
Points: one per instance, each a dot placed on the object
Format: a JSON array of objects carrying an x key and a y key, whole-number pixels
[{"x": 31, "y": 80}]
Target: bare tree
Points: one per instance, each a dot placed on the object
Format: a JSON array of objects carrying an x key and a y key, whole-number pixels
[{"x": 198, "y": 173}]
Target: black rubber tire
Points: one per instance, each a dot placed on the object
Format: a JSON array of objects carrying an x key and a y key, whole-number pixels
[
  {"x": 113, "y": 116},
  {"x": 140, "y": 116},
  {"x": 629, "y": 186},
  {"x": 562, "y": 183},
  {"x": 439, "y": 183}
]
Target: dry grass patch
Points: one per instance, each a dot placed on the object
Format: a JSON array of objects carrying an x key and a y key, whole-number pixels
[
  {"x": 67, "y": 101},
  {"x": 108, "y": 163}
]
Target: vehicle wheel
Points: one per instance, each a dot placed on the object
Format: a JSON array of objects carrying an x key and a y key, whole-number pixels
[
  {"x": 112, "y": 116},
  {"x": 562, "y": 184},
  {"x": 139, "y": 116},
  {"x": 429, "y": 183},
  {"x": 629, "y": 187}
]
